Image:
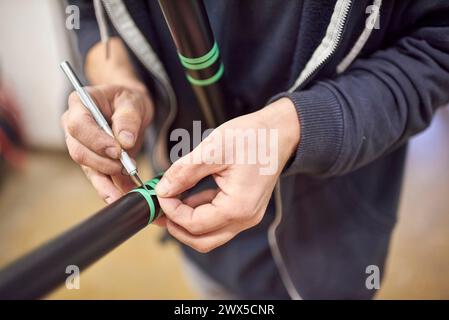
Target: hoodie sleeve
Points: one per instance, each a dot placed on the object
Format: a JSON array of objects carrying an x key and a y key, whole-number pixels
[{"x": 375, "y": 106}]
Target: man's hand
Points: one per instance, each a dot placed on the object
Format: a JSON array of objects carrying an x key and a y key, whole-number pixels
[
  {"x": 211, "y": 218},
  {"x": 129, "y": 111}
]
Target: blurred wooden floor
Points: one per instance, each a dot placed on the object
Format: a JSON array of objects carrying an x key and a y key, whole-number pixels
[{"x": 52, "y": 195}]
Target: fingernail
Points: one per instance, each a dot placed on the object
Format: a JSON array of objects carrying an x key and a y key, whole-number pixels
[
  {"x": 112, "y": 152},
  {"x": 163, "y": 187},
  {"x": 126, "y": 138},
  {"x": 108, "y": 200}
]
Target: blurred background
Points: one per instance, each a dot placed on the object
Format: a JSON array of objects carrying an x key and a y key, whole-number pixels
[{"x": 43, "y": 193}]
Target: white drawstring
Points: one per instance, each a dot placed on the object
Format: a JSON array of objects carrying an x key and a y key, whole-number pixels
[{"x": 362, "y": 40}]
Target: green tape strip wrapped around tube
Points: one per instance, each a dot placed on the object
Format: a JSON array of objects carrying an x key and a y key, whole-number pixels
[
  {"x": 209, "y": 81},
  {"x": 215, "y": 53},
  {"x": 150, "y": 196},
  {"x": 201, "y": 63},
  {"x": 211, "y": 55}
]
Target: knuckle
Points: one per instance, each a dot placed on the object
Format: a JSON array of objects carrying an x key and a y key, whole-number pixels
[
  {"x": 172, "y": 172},
  {"x": 128, "y": 97},
  {"x": 203, "y": 247},
  {"x": 99, "y": 143},
  {"x": 180, "y": 175},
  {"x": 73, "y": 98},
  {"x": 72, "y": 127},
  {"x": 257, "y": 219},
  {"x": 237, "y": 211},
  {"x": 131, "y": 106},
  {"x": 79, "y": 123},
  {"x": 112, "y": 169},
  {"x": 195, "y": 229},
  {"x": 81, "y": 127},
  {"x": 131, "y": 96},
  {"x": 86, "y": 119},
  {"x": 229, "y": 216},
  {"x": 126, "y": 120},
  {"x": 182, "y": 179},
  {"x": 78, "y": 155}
]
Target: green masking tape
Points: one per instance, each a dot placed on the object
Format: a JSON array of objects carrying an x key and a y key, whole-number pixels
[
  {"x": 204, "y": 58},
  {"x": 203, "y": 65},
  {"x": 151, "y": 185},
  {"x": 209, "y": 81}
]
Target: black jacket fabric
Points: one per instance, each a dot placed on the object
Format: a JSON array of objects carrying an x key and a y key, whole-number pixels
[{"x": 340, "y": 191}]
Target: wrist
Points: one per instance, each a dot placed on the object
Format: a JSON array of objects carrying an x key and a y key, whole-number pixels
[{"x": 282, "y": 116}]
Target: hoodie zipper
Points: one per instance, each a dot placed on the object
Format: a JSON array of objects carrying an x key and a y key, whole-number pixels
[
  {"x": 328, "y": 46},
  {"x": 322, "y": 54}
]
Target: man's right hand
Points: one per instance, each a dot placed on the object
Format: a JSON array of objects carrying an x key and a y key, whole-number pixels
[{"x": 129, "y": 111}]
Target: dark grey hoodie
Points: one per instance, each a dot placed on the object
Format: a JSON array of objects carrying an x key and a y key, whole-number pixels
[{"x": 360, "y": 93}]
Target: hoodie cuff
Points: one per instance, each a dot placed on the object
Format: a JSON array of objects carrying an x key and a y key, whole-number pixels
[{"x": 321, "y": 125}]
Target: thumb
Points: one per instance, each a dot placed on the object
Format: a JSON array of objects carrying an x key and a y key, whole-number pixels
[
  {"x": 184, "y": 174},
  {"x": 129, "y": 113}
]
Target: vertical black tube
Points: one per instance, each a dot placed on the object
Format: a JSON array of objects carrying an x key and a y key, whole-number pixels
[
  {"x": 199, "y": 54},
  {"x": 42, "y": 270}
]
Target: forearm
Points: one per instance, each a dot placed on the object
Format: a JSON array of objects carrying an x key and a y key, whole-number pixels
[
  {"x": 114, "y": 70},
  {"x": 374, "y": 107}
]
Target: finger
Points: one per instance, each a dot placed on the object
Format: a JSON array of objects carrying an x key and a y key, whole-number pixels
[
  {"x": 137, "y": 145},
  {"x": 184, "y": 174},
  {"x": 203, "y": 219},
  {"x": 103, "y": 185},
  {"x": 161, "y": 221},
  {"x": 123, "y": 182},
  {"x": 129, "y": 113},
  {"x": 203, "y": 243},
  {"x": 83, "y": 156},
  {"x": 200, "y": 198},
  {"x": 80, "y": 124}
]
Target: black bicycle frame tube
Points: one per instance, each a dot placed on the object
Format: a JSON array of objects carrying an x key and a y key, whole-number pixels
[
  {"x": 42, "y": 270},
  {"x": 199, "y": 54}
]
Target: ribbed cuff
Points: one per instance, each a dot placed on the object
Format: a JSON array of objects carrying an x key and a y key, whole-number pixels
[{"x": 321, "y": 121}]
